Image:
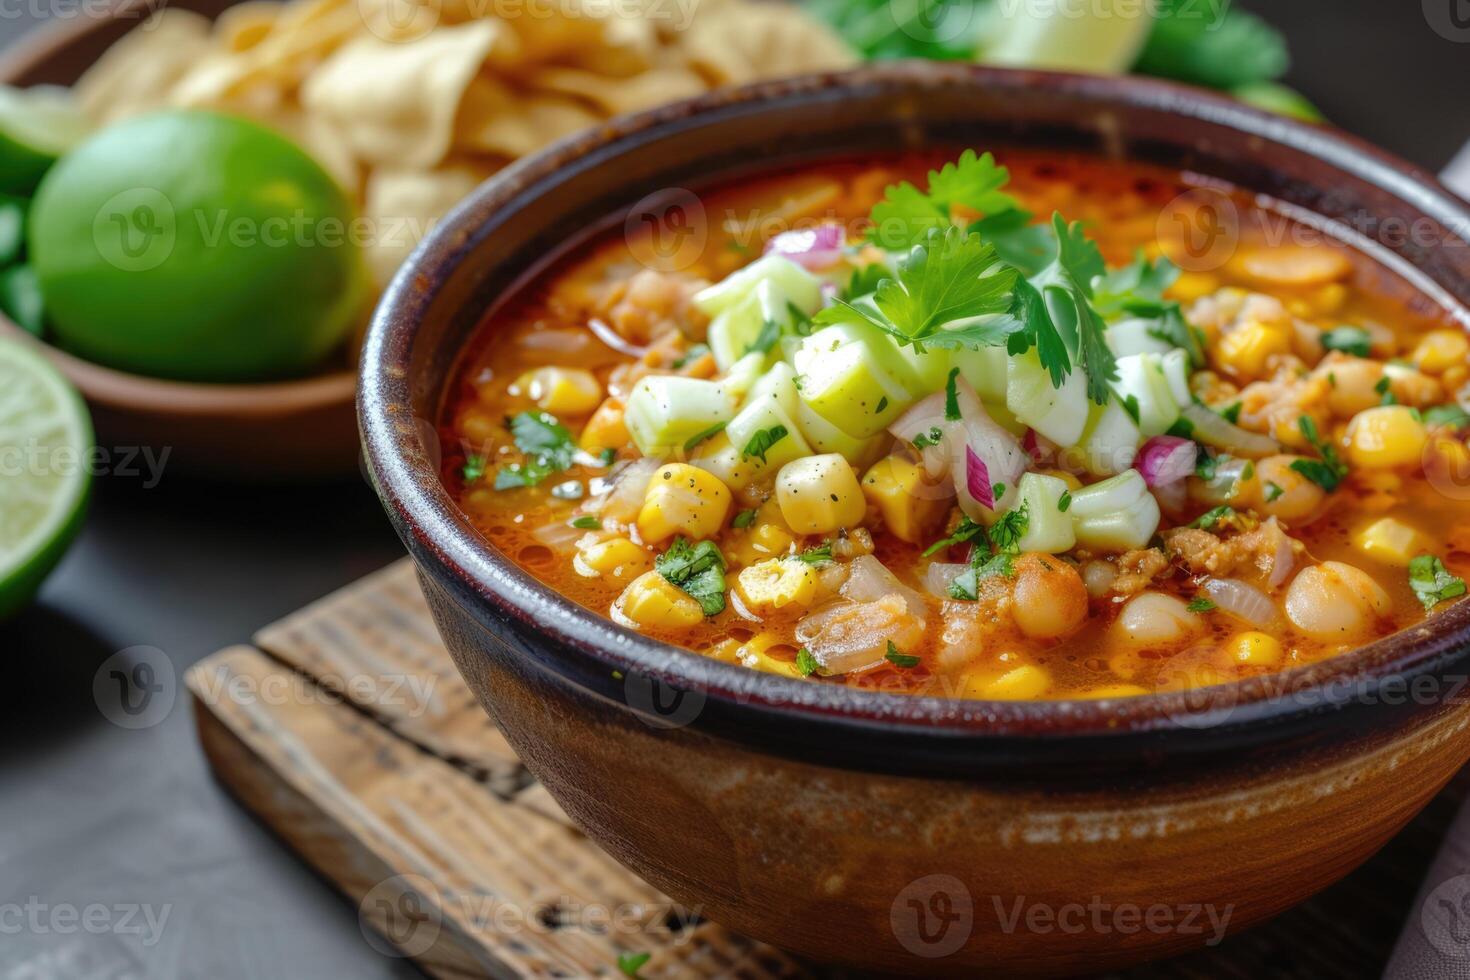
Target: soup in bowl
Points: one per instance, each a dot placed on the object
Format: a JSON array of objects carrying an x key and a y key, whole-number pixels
[{"x": 939, "y": 484}]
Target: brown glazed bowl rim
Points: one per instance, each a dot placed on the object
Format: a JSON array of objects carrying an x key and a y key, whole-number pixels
[{"x": 879, "y": 730}]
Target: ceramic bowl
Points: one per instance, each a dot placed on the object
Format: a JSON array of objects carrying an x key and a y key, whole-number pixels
[{"x": 911, "y": 834}]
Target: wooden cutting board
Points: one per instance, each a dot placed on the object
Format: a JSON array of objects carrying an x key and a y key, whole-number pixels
[{"x": 348, "y": 731}]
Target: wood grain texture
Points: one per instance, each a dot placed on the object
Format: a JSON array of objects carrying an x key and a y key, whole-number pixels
[{"x": 357, "y": 742}]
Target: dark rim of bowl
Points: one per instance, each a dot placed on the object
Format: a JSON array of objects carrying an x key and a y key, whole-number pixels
[{"x": 594, "y": 652}]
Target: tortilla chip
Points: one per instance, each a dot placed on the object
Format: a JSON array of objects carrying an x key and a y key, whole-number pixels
[
  {"x": 136, "y": 73},
  {"x": 494, "y": 118},
  {"x": 245, "y": 25},
  {"x": 395, "y": 104},
  {"x": 402, "y": 206},
  {"x": 617, "y": 95},
  {"x": 735, "y": 44}
]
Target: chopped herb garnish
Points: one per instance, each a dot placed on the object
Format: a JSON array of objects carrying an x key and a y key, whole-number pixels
[
  {"x": 586, "y": 523},
  {"x": 1432, "y": 582},
  {"x": 882, "y": 404},
  {"x": 607, "y": 457},
  {"x": 1231, "y": 413},
  {"x": 964, "y": 532},
  {"x": 1064, "y": 501},
  {"x": 1248, "y": 471},
  {"x": 1384, "y": 389},
  {"x": 1137, "y": 290},
  {"x": 1006, "y": 533},
  {"x": 906, "y": 215},
  {"x": 766, "y": 339},
  {"x": 1273, "y": 491},
  {"x": 1130, "y": 405},
  {"x": 865, "y": 281},
  {"x": 931, "y": 438},
  {"x": 1212, "y": 517},
  {"x": 699, "y": 437},
  {"x": 697, "y": 569},
  {"x": 548, "y": 446},
  {"x": 952, "y": 396},
  {"x": 762, "y": 441},
  {"x": 1451, "y": 415},
  {"x": 966, "y": 586},
  {"x": 691, "y": 355},
  {"x": 820, "y": 555},
  {"x": 1206, "y": 466},
  {"x": 806, "y": 664},
  {"x": 474, "y": 468},
  {"x": 998, "y": 490},
  {"x": 1181, "y": 429},
  {"x": 898, "y": 659},
  {"x": 1349, "y": 340},
  {"x": 631, "y": 963},
  {"x": 743, "y": 519},
  {"x": 1200, "y": 604},
  {"x": 1328, "y": 472}
]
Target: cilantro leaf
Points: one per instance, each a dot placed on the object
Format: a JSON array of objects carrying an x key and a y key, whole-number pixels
[
  {"x": 819, "y": 555},
  {"x": 865, "y": 281},
  {"x": 1200, "y": 604},
  {"x": 1328, "y": 472},
  {"x": 1064, "y": 501},
  {"x": 952, "y": 397},
  {"x": 806, "y": 664},
  {"x": 939, "y": 30},
  {"x": 1006, "y": 533},
  {"x": 548, "y": 448},
  {"x": 766, "y": 339},
  {"x": 474, "y": 468},
  {"x": 964, "y": 532},
  {"x": 743, "y": 519},
  {"x": 699, "y": 570},
  {"x": 630, "y": 963},
  {"x": 691, "y": 355},
  {"x": 1208, "y": 42},
  {"x": 1432, "y": 582},
  {"x": 586, "y": 523},
  {"x": 931, "y": 438},
  {"x": 1027, "y": 246},
  {"x": 966, "y": 586},
  {"x": 1349, "y": 340},
  {"x": 699, "y": 437},
  {"x": 761, "y": 442},
  {"x": 1451, "y": 415},
  {"x": 1137, "y": 290},
  {"x": 1213, "y": 516},
  {"x": 1274, "y": 491},
  {"x": 907, "y": 216},
  {"x": 898, "y": 658}
]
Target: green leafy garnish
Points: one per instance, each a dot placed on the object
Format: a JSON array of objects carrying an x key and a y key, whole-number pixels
[
  {"x": 699, "y": 437},
  {"x": 906, "y": 215},
  {"x": 1064, "y": 501},
  {"x": 693, "y": 354},
  {"x": 743, "y": 519},
  {"x": 1027, "y": 246},
  {"x": 761, "y": 442},
  {"x": 966, "y": 586},
  {"x": 474, "y": 468},
  {"x": 548, "y": 447},
  {"x": 865, "y": 281},
  {"x": 1137, "y": 290},
  {"x": 882, "y": 404},
  {"x": 952, "y": 396},
  {"x": 806, "y": 664},
  {"x": 586, "y": 523},
  {"x": 1349, "y": 340},
  {"x": 1200, "y": 604},
  {"x": 899, "y": 659},
  {"x": 931, "y": 438},
  {"x": 1432, "y": 582},
  {"x": 1006, "y": 533},
  {"x": 1231, "y": 413},
  {"x": 820, "y": 555},
  {"x": 1328, "y": 472},
  {"x": 1213, "y": 516},
  {"x": 1451, "y": 415},
  {"x": 1384, "y": 390},
  {"x": 631, "y": 963},
  {"x": 1273, "y": 491},
  {"x": 964, "y": 532},
  {"x": 1206, "y": 465},
  {"x": 697, "y": 569},
  {"x": 766, "y": 339},
  {"x": 1208, "y": 42}
]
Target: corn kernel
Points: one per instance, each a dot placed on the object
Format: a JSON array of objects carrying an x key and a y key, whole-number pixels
[
  {"x": 1385, "y": 437},
  {"x": 1454, "y": 378},
  {"x": 819, "y": 494},
  {"x": 1292, "y": 265},
  {"x": 1389, "y": 540},
  {"x": 755, "y": 654},
  {"x": 1244, "y": 351},
  {"x": 912, "y": 508},
  {"x": 776, "y": 584},
  {"x": 652, "y": 601},
  {"x": 606, "y": 428},
  {"x": 561, "y": 391},
  {"x": 683, "y": 499},
  {"x": 1440, "y": 350},
  {"x": 770, "y": 539},
  {"x": 1255, "y": 649},
  {"x": 1191, "y": 286},
  {"x": 1024, "y": 683},
  {"x": 616, "y": 558}
]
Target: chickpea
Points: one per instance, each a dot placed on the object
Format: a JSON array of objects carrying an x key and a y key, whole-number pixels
[
  {"x": 1099, "y": 576},
  {"x": 1335, "y": 601},
  {"x": 1050, "y": 599},
  {"x": 1352, "y": 385},
  {"x": 1285, "y": 493},
  {"x": 1154, "y": 618}
]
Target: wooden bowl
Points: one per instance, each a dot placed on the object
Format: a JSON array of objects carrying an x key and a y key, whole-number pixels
[
  {"x": 278, "y": 431},
  {"x": 919, "y": 835}
]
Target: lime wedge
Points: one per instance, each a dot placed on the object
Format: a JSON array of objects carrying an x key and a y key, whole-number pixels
[
  {"x": 37, "y": 125},
  {"x": 45, "y": 439}
]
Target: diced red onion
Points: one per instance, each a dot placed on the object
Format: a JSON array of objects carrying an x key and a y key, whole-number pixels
[
  {"x": 977, "y": 479},
  {"x": 1214, "y": 429},
  {"x": 1284, "y": 558},
  {"x": 941, "y": 575},
  {"x": 1165, "y": 460},
  {"x": 812, "y": 248},
  {"x": 869, "y": 580}
]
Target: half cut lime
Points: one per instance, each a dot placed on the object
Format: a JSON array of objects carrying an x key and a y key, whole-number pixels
[{"x": 45, "y": 444}]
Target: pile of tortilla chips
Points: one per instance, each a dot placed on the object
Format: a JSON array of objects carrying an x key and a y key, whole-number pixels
[{"x": 411, "y": 103}]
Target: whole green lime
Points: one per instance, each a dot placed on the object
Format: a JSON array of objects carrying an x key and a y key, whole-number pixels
[{"x": 196, "y": 246}]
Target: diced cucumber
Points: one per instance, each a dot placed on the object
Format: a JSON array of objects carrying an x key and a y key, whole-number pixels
[
  {"x": 763, "y": 412},
  {"x": 985, "y": 369},
  {"x": 929, "y": 369},
  {"x": 1006, "y": 419},
  {"x": 1103, "y": 36},
  {"x": 850, "y": 377},
  {"x": 1176, "y": 372},
  {"x": 1141, "y": 378},
  {"x": 797, "y": 285},
  {"x": 1110, "y": 442},
  {"x": 779, "y": 381},
  {"x": 1118, "y": 514},
  {"x": 742, "y": 376},
  {"x": 1060, "y": 414},
  {"x": 720, "y": 457},
  {"x": 825, "y": 437},
  {"x": 1128, "y": 337},
  {"x": 665, "y": 411},
  {"x": 1049, "y": 528}
]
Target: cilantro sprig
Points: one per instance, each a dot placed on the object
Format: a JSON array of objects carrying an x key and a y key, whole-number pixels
[
  {"x": 548, "y": 447},
  {"x": 697, "y": 569},
  {"x": 1327, "y": 472},
  {"x": 1432, "y": 582}
]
